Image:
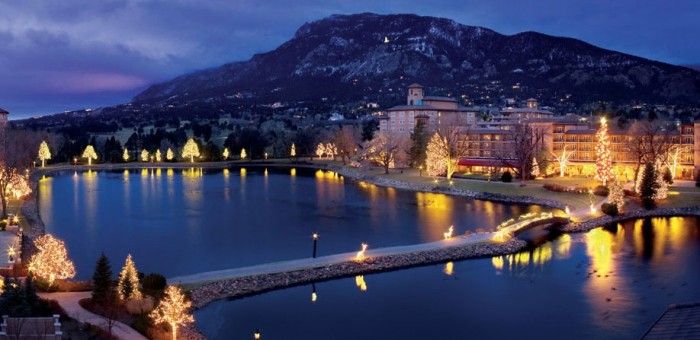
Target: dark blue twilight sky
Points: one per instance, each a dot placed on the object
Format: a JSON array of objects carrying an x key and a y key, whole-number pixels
[{"x": 72, "y": 54}]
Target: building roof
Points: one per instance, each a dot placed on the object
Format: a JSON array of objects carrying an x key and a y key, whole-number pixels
[
  {"x": 2, "y": 111},
  {"x": 531, "y": 100},
  {"x": 439, "y": 98},
  {"x": 415, "y": 85},
  {"x": 413, "y": 107},
  {"x": 526, "y": 110}
]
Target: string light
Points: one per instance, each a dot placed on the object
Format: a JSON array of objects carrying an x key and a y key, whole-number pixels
[
  {"x": 128, "y": 286},
  {"x": 44, "y": 152},
  {"x": 173, "y": 310},
  {"x": 51, "y": 260},
  {"x": 90, "y": 154},
  {"x": 603, "y": 160},
  {"x": 190, "y": 150}
]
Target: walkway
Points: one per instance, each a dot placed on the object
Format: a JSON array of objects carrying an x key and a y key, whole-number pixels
[
  {"x": 69, "y": 303},
  {"x": 680, "y": 321},
  {"x": 293, "y": 265}
]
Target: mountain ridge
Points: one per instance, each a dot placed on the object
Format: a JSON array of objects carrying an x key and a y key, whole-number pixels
[{"x": 348, "y": 57}]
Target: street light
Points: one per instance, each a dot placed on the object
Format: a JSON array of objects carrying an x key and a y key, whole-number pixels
[
  {"x": 315, "y": 237},
  {"x": 256, "y": 335},
  {"x": 420, "y": 171}
]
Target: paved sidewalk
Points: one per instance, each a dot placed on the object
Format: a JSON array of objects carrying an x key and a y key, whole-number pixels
[
  {"x": 69, "y": 302},
  {"x": 323, "y": 261}
]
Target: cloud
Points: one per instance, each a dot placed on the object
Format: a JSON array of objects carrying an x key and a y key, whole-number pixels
[{"x": 116, "y": 47}]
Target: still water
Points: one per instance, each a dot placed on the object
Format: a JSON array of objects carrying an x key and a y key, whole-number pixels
[
  {"x": 605, "y": 284},
  {"x": 178, "y": 222}
]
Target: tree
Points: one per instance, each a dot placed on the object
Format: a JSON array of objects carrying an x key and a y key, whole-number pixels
[
  {"x": 419, "y": 142},
  {"x": 190, "y": 150},
  {"x": 648, "y": 142},
  {"x": 243, "y": 154},
  {"x": 102, "y": 282},
  {"x": 144, "y": 155},
  {"x": 437, "y": 156},
  {"x": 16, "y": 154},
  {"x": 14, "y": 299},
  {"x": 293, "y": 153},
  {"x": 535, "y": 168},
  {"x": 344, "y": 142},
  {"x": 386, "y": 149},
  {"x": 225, "y": 154},
  {"x": 90, "y": 154},
  {"x": 563, "y": 160},
  {"x": 50, "y": 262},
  {"x": 173, "y": 309},
  {"x": 616, "y": 195},
  {"x": 128, "y": 286},
  {"x": 451, "y": 144},
  {"x": 648, "y": 186},
  {"x": 125, "y": 155},
  {"x": 603, "y": 162},
  {"x": 159, "y": 156},
  {"x": 320, "y": 150},
  {"x": 521, "y": 143},
  {"x": 44, "y": 153},
  {"x": 169, "y": 155}
]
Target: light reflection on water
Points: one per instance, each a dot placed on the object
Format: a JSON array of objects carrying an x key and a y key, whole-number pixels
[{"x": 605, "y": 284}]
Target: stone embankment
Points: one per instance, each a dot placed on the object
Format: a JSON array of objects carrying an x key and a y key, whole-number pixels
[
  {"x": 387, "y": 182},
  {"x": 576, "y": 227},
  {"x": 251, "y": 285}
]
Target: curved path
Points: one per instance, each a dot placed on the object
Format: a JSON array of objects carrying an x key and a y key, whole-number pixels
[
  {"x": 293, "y": 265},
  {"x": 69, "y": 303}
]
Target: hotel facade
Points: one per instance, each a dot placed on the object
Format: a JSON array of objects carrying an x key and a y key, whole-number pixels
[{"x": 483, "y": 142}]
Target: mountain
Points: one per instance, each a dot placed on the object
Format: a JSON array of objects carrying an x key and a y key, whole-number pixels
[{"x": 345, "y": 57}]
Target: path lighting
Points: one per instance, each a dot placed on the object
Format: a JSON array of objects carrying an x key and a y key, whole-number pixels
[
  {"x": 567, "y": 211},
  {"x": 256, "y": 335},
  {"x": 361, "y": 254},
  {"x": 449, "y": 232},
  {"x": 420, "y": 171},
  {"x": 11, "y": 253},
  {"x": 315, "y": 238},
  {"x": 314, "y": 297}
]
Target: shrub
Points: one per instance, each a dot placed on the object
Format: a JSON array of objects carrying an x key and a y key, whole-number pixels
[
  {"x": 609, "y": 209},
  {"x": 154, "y": 282},
  {"x": 601, "y": 191},
  {"x": 3, "y": 225},
  {"x": 697, "y": 179},
  {"x": 507, "y": 177},
  {"x": 555, "y": 187},
  {"x": 135, "y": 307},
  {"x": 668, "y": 178}
]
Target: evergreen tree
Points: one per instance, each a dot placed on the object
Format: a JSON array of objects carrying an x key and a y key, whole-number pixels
[
  {"x": 30, "y": 292},
  {"x": 648, "y": 187},
  {"x": 103, "y": 285},
  {"x": 419, "y": 142},
  {"x": 14, "y": 300}
]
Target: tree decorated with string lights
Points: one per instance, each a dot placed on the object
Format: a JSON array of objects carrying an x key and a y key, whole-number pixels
[
  {"x": 603, "y": 160},
  {"x": 51, "y": 262},
  {"x": 190, "y": 150},
  {"x": 225, "y": 154},
  {"x": 44, "y": 152},
  {"x": 243, "y": 154},
  {"x": 128, "y": 285},
  {"x": 173, "y": 309},
  {"x": 293, "y": 153},
  {"x": 437, "y": 156},
  {"x": 159, "y": 156},
  {"x": 616, "y": 195},
  {"x": 535, "y": 168},
  {"x": 144, "y": 155},
  {"x": 90, "y": 154},
  {"x": 125, "y": 155},
  {"x": 169, "y": 155}
]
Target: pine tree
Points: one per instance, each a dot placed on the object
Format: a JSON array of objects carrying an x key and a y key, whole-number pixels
[
  {"x": 616, "y": 195},
  {"x": 436, "y": 156},
  {"x": 128, "y": 288},
  {"x": 103, "y": 285},
  {"x": 648, "y": 187},
  {"x": 30, "y": 293},
  {"x": 535, "y": 168},
  {"x": 14, "y": 299},
  {"x": 419, "y": 141}
]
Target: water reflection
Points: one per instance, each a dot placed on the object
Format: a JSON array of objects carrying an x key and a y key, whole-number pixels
[
  {"x": 449, "y": 268},
  {"x": 360, "y": 282}
]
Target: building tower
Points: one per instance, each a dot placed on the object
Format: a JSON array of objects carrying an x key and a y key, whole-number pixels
[
  {"x": 532, "y": 103},
  {"x": 415, "y": 95},
  {"x": 3, "y": 117}
]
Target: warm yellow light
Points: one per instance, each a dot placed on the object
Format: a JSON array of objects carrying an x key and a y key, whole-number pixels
[
  {"x": 51, "y": 262},
  {"x": 144, "y": 155},
  {"x": 497, "y": 262},
  {"x": 313, "y": 297},
  {"x": 169, "y": 154},
  {"x": 244, "y": 154},
  {"x": 566, "y": 210},
  {"x": 190, "y": 150},
  {"x": 128, "y": 286},
  {"x": 293, "y": 153},
  {"x": 173, "y": 310},
  {"x": 125, "y": 155},
  {"x": 158, "y": 156},
  {"x": 602, "y": 120},
  {"x": 44, "y": 152},
  {"x": 449, "y": 268},
  {"x": 225, "y": 154},
  {"x": 256, "y": 335},
  {"x": 293, "y": 171},
  {"x": 11, "y": 252},
  {"x": 360, "y": 282},
  {"x": 90, "y": 154},
  {"x": 361, "y": 254},
  {"x": 315, "y": 236},
  {"x": 449, "y": 232}
]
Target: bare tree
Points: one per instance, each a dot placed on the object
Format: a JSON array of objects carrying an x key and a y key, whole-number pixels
[
  {"x": 451, "y": 141},
  {"x": 346, "y": 140},
  {"x": 649, "y": 142},
  {"x": 563, "y": 160},
  {"x": 522, "y": 142},
  {"x": 386, "y": 149},
  {"x": 17, "y": 151}
]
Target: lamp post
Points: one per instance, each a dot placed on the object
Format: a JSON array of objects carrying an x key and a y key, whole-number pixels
[
  {"x": 313, "y": 293},
  {"x": 256, "y": 335},
  {"x": 315, "y": 237},
  {"x": 420, "y": 171}
]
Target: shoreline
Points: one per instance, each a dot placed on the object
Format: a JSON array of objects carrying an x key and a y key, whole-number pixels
[{"x": 245, "y": 286}]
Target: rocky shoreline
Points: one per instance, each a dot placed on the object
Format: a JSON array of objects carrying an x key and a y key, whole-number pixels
[
  {"x": 252, "y": 285},
  {"x": 578, "y": 227}
]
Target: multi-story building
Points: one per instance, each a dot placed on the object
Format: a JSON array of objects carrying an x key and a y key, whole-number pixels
[
  {"x": 432, "y": 109},
  {"x": 3, "y": 117}
]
